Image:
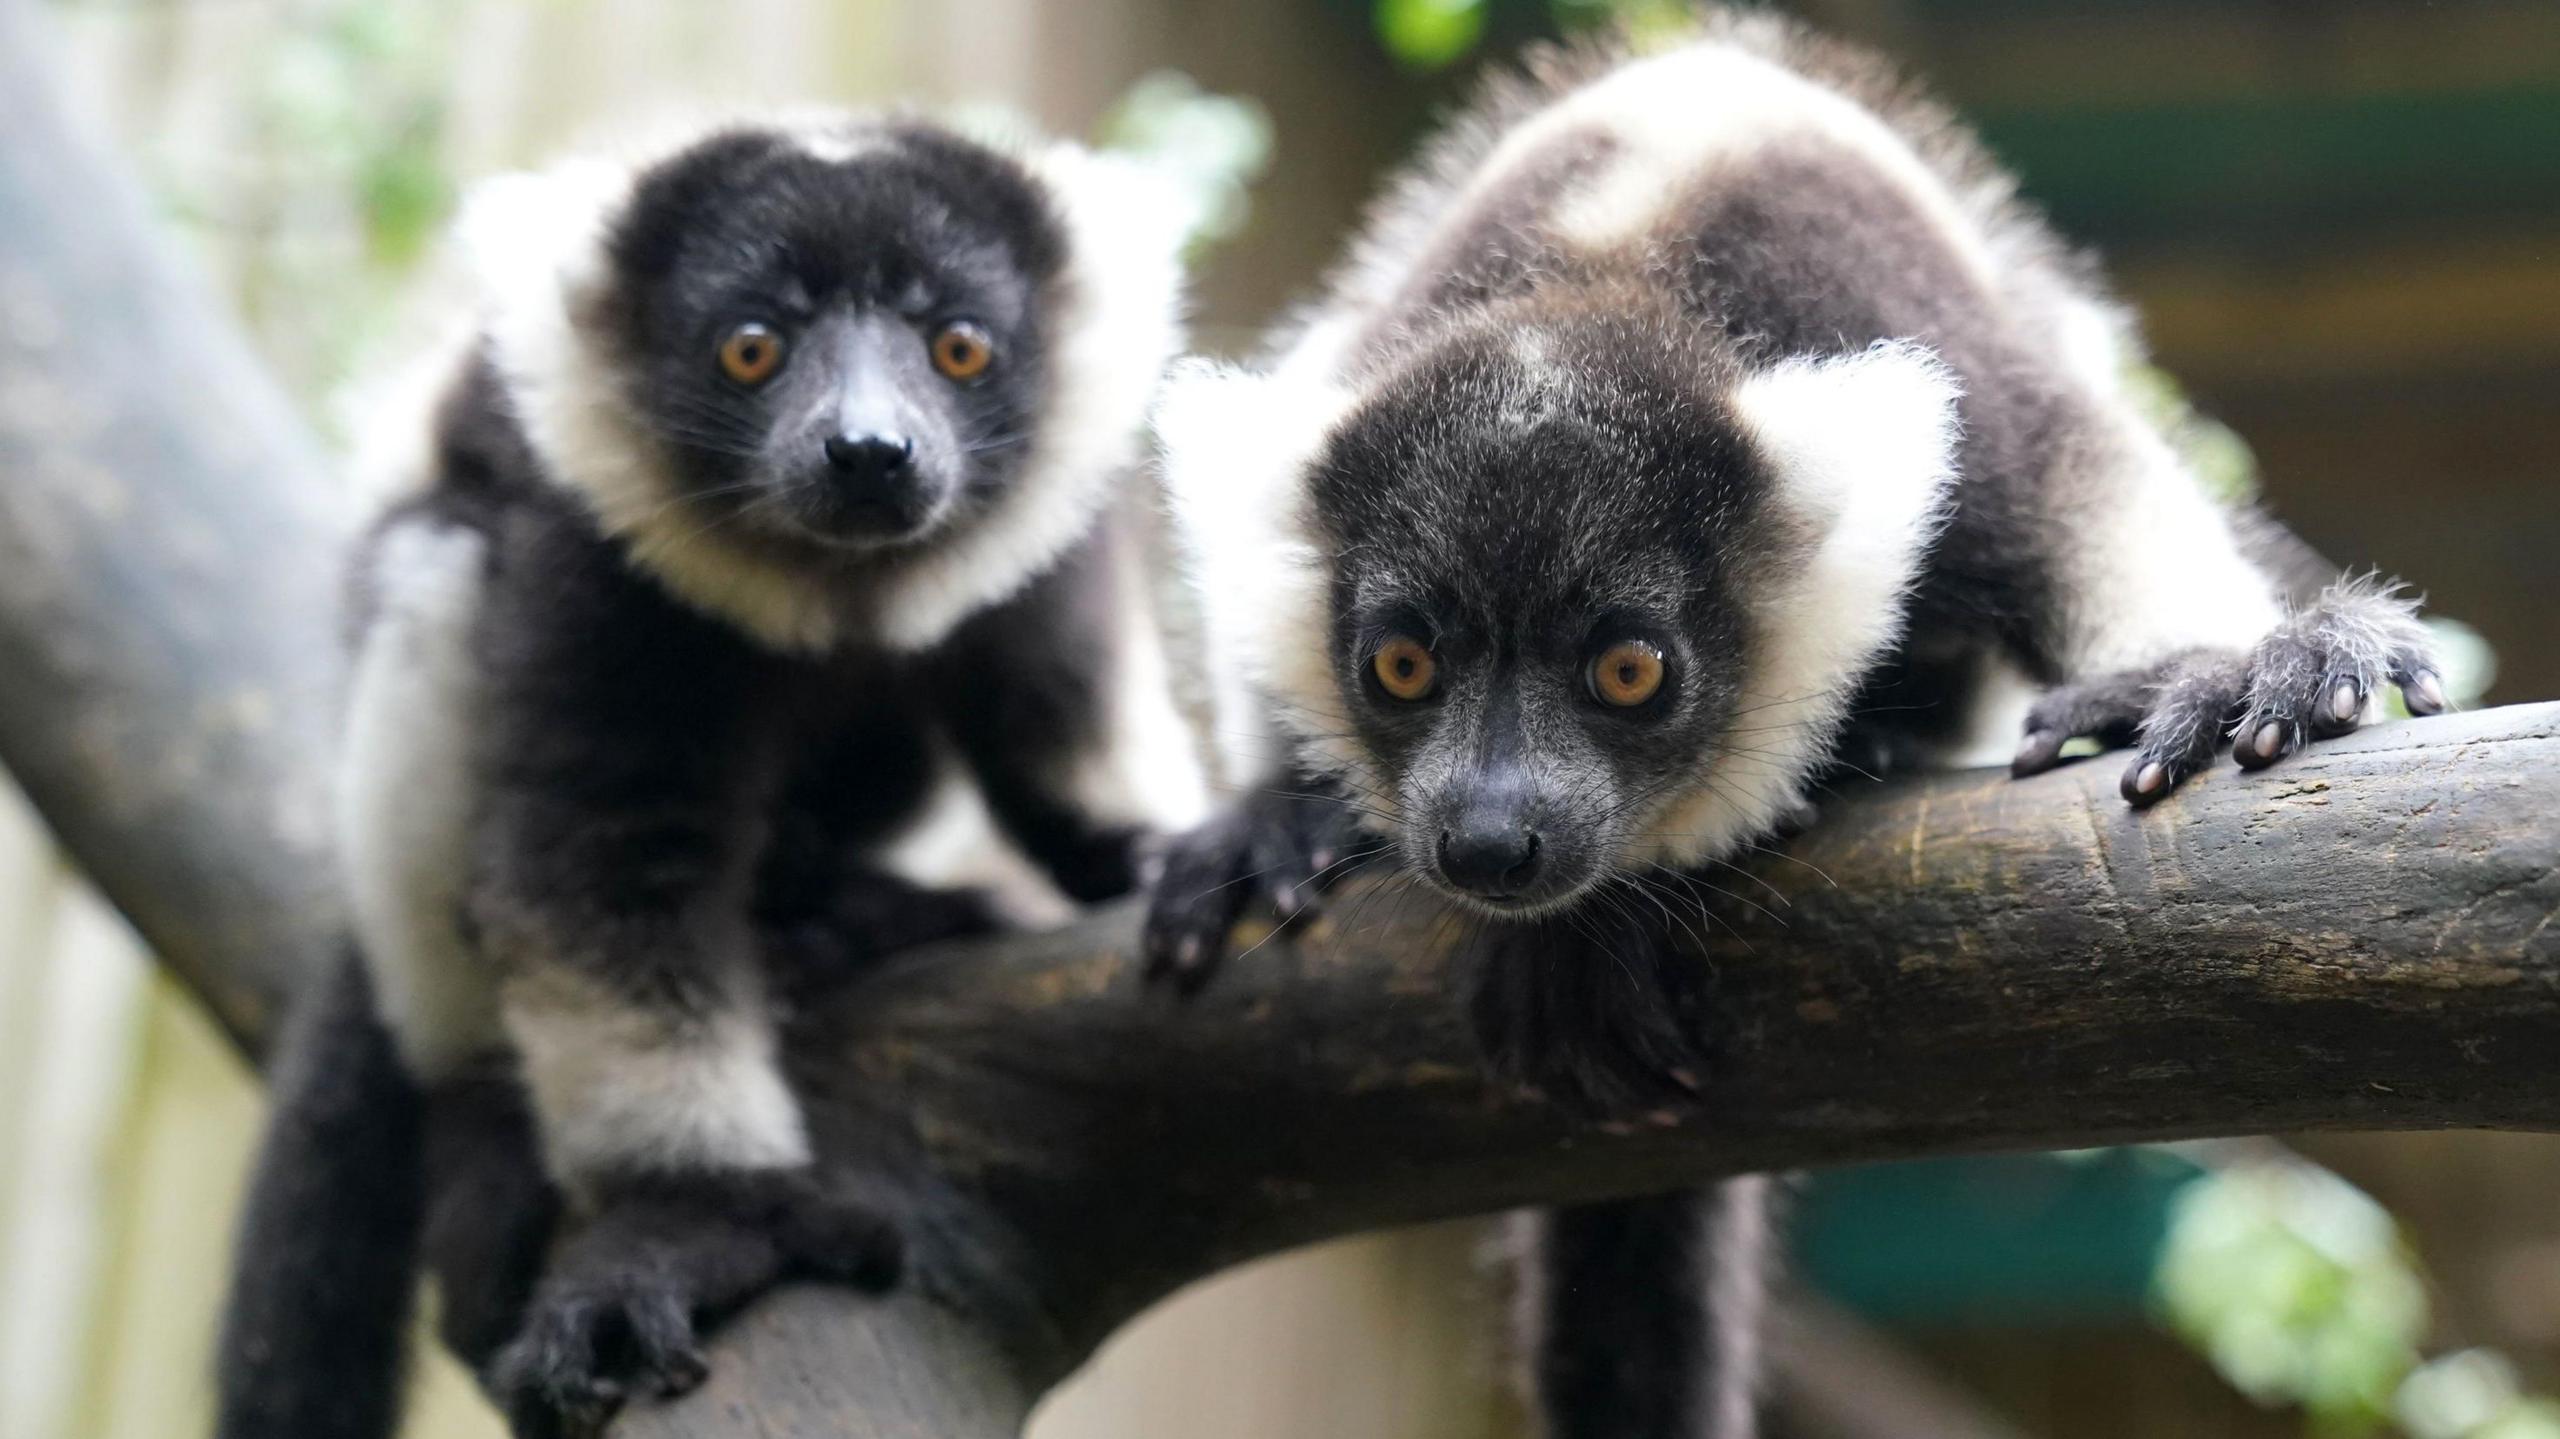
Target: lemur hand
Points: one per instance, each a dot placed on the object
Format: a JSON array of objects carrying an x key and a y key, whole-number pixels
[
  {"x": 616, "y": 1315},
  {"x": 2313, "y": 678},
  {"x": 1279, "y": 849}
]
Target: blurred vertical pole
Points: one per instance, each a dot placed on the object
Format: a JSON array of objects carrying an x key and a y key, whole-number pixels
[{"x": 114, "y": 365}]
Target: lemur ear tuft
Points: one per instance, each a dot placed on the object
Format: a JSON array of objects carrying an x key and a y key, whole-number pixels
[
  {"x": 1194, "y": 419},
  {"x": 1864, "y": 446},
  {"x": 1117, "y": 204},
  {"x": 1236, "y": 446},
  {"x": 529, "y": 232},
  {"x": 1234, "y": 443}
]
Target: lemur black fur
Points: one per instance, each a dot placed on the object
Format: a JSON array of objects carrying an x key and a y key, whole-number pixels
[
  {"x": 767, "y": 528},
  {"x": 1683, "y": 424}
]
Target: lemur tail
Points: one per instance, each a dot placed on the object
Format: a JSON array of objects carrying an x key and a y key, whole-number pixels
[
  {"x": 314, "y": 1329},
  {"x": 1646, "y": 1316}
]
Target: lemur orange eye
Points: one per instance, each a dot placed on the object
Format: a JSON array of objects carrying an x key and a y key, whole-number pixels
[
  {"x": 1626, "y": 674},
  {"x": 751, "y": 354},
  {"x": 1405, "y": 668},
  {"x": 962, "y": 351}
]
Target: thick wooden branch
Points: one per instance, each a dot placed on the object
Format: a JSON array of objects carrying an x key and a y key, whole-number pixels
[
  {"x": 167, "y": 572},
  {"x": 2362, "y": 937}
]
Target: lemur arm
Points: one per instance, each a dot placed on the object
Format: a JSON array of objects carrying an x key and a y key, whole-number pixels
[
  {"x": 2179, "y": 624},
  {"x": 626, "y": 744},
  {"x": 1075, "y": 741}
]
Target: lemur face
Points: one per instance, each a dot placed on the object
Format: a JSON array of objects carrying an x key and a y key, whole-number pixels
[
  {"x": 1537, "y": 635},
  {"x": 839, "y": 344}
]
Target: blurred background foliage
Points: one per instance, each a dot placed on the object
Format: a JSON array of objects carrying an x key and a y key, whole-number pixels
[{"x": 2339, "y": 217}]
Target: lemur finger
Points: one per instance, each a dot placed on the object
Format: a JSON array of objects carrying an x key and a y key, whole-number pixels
[
  {"x": 2190, "y": 712},
  {"x": 1207, "y": 880},
  {"x": 665, "y": 1357},
  {"x": 2107, "y": 709},
  {"x": 2414, "y": 670},
  {"x": 547, "y": 1379},
  {"x": 1286, "y": 871},
  {"x": 2423, "y": 691},
  {"x": 2313, "y": 677}
]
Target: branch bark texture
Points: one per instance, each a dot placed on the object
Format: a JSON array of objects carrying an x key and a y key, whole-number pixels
[{"x": 2362, "y": 937}]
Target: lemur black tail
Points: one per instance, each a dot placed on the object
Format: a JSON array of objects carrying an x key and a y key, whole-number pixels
[
  {"x": 1646, "y": 1316},
  {"x": 325, "y": 1268}
]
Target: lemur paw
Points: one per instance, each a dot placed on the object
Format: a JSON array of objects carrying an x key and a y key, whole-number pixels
[
  {"x": 2312, "y": 678},
  {"x": 616, "y": 1316},
  {"x": 1277, "y": 850},
  {"x": 1598, "y": 1012}
]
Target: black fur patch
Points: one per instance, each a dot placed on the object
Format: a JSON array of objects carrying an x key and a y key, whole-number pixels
[{"x": 321, "y": 1289}]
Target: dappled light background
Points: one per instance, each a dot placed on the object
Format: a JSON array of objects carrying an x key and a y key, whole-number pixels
[{"x": 2342, "y": 221}]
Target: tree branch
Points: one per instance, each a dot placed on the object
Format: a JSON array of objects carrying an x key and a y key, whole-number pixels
[
  {"x": 168, "y": 537},
  {"x": 2362, "y": 937}
]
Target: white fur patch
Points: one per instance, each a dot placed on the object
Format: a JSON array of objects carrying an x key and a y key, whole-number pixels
[
  {"x": 390, "y": 416},
  {"x": 405, "y": 780},
  {"x": 1236, "y": 446},
  {"x": 1680, "y": 115},
  {"x": 539, "y": 239},
  {"x": 1995, "y": 718},
  {"x": 2151, "y": 563},
  {"x": 622, "y": 1087},
  {"x": 954, "y": 842},
  {"x": 1146, "y": 774},
  {"x": 1864, "y": 448}
]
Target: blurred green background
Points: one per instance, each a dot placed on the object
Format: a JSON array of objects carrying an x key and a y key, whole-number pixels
[{"x": 2341, "y": 221}]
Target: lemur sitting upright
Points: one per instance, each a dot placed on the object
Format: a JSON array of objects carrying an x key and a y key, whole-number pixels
[
  {"x": 776, "y": 496},
  {"x": 1680, "y": 422}
]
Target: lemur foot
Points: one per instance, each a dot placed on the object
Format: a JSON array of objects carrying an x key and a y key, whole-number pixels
[
  {"x": 616, "y": 1316},
  {"x": 2312, "y": 678},
  {"x": 1278, "y": 850},
  {"x": 1598, "y": 1011}
]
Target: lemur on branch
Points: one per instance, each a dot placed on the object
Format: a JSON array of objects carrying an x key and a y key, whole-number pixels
[
  {"x": 772, "y": 511},
  {"x": 1683, "y": 424}
]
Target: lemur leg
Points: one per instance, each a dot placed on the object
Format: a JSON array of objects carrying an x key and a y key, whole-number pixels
[
  {"x": 1279, "y": 849},
  {"x": 1618, "y": 1296},
  {"x": 2315, "y": 675},
  {"x": 1078, "y": 745},
  {"x": 631, "y": 757}
]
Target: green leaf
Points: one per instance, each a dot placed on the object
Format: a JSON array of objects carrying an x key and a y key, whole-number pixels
[{"x": 1430, "y": 34}]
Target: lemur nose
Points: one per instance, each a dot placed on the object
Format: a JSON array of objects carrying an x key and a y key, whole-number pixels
[
  {"x": 1494, "y": 861},
  {"x": 869, "y": 458}
]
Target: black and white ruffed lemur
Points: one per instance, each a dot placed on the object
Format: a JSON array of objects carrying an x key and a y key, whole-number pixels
[
  {"x": 772, "y": 515},
  {"x": 1683, "y": 424}
]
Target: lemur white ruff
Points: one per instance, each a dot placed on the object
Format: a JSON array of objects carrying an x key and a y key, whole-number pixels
[
  {"x": 775, "y": 498},
  {"x": 1680, "y": 424}
]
